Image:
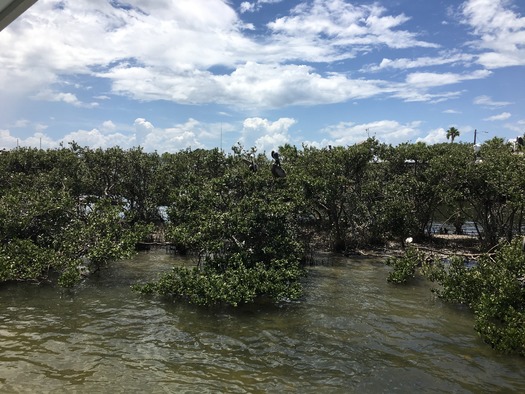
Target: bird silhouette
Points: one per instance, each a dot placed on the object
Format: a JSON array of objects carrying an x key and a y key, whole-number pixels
[
  {"x": 275, "y": 156},
  {"x": 277, "y": 171}
]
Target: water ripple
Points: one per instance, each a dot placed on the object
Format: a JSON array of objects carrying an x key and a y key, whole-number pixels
[{"x": 353, "y": 332}]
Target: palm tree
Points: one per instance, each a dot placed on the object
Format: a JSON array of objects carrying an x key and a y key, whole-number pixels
[{"x": 452, "y": 133}]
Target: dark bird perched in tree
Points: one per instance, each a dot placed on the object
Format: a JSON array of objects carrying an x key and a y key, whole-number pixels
[
  {"x": 277, "y": 171},
  {"x": 252, "y": 165},
  {"x": 275, "y": 156}
]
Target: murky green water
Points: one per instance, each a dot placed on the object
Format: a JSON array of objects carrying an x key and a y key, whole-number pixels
[{"x": 353, "y": 332}]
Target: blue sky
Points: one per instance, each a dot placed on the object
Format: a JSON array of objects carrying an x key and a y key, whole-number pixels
[{"x": 168, "y": 75}]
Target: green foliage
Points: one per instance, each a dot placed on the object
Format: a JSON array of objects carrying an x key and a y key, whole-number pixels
[
  {"x": 341, "y": 186},
  {"x": 234, "y": 285},
  {"x": 494, "y": 289},
  {"x": 452, "y": 133},
  {"x": 47, "y": 223},
  {"x": 21, "y": 259},
  {"x": 495, "y": 191},
  {"x": 404, "y": 267},
  {"x": 98, "y": 237},
  {"x": 244, "y": 228},
  {"x": 73, "y": 210},
  {"x": 413, "y": 188}
]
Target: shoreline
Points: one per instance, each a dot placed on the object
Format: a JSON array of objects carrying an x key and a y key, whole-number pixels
[{"x": 439, "y": 245}]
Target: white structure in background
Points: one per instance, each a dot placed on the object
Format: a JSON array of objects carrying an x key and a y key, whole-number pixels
[
  {"x": 477, "y": 147},
  {"x": 516, "y": 143}
]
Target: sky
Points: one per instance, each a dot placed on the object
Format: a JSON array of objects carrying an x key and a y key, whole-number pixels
[{"x": 171, "y": 75}]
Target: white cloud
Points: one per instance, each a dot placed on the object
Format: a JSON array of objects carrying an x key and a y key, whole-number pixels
[
  {"x": 439, "y": 135},
  {"x": 246, "y": 6},
  {"x": 134, "y": 48},
  {"x": 388, "y": 131},
  {"x": 502, "y": 116},
  {"x": 143, "y": 133},
  {"x": 68, "y": 98},
  {"x": 7, "y": 141},
  {"x": 252, "y": 85},
  {"x": 171, "y": 139},
  {"x": 200, "y": 52},
  {"x": 40, "y": 127},
  {"x": 488, "y": 102},
  {"x": 340, "y": 24},
  {"x": 108, "y": 126},
  {"x": 500, "y": 31},
  {"x": 22, "y": 123},
  {"x": 82, "y": 36},
  {"x": 25, "y": 123},
  {"x": 426, "y": 79},
  {"x": 257, "y": 86},
  {"x": 419, "y": 93},
  {"x": 266, "y": 135},
  {"x": 416, "y": 86},
  {"x": 95, "y": 138},
  {"x": 434, "y": 136},
  {"x": 427, "y": 61},
  {"x": 142, "y": 129},
  {"x": 37, "y": 140},
  {"x": 518, "y": 127},
  {"x": 451, "y": 111}
]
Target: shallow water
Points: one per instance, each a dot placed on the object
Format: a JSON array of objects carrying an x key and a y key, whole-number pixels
[{"x": 352, "y": 332}]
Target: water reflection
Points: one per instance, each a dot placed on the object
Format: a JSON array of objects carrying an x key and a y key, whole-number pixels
[{"x": 352, "y": 332}]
